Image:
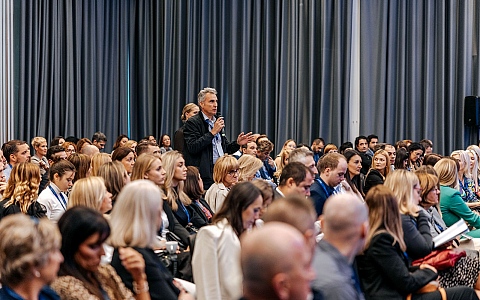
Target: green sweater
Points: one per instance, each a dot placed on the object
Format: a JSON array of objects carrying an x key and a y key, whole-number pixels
[{"x": 454, "y": 208}]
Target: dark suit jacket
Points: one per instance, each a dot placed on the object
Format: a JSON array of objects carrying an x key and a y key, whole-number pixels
[
  {"x": 160, "y": 281},
  {"x": 173, "y": 224},
  {"x": 319, "y": 193},
  {"x": 200, "y": 213},
  {"x": 384, "y": 271},
  {"x": 199, "y": 149},
  {"x": 417, "y": 236}
]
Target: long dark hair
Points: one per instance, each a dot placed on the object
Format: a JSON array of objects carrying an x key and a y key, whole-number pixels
[
  {"x": 356, "y": 182},
  {"x": 76, "y": 225},
  {"x": 241, "y": 195},
  {"x": 192, "y": 188}
]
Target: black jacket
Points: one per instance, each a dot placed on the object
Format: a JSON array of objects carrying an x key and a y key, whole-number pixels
[
  {"x": 160, "y": 281},
  {"x": 384, "y": 271},
  {"x": 198, "y": 149}
]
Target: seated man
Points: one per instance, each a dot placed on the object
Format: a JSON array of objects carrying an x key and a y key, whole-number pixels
[
  {"x": 15, "y": 152},
  {"x": 264, "y": 148},
  {"x": 284, "y": 273},
  {"x": 148, "y": 147},
  {"x": 295, "y": 179},
  {"x": 332, "y": 168},
  {"x": 345, "y": 226}
]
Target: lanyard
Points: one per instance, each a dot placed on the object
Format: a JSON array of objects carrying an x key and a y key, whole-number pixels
[
  {"x": 322, "y": 184},
  {"x": 63, "y": 203}
]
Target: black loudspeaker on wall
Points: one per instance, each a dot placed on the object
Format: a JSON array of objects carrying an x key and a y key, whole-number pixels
[{"x": 471, "y": 113}]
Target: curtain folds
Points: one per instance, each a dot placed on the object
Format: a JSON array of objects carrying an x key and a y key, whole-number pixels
[
  {"x": 284, "y": 68},
  {"x": 419, "y": 67},
  {"x": 6, "y": 69},
  {"x": 73, "y": 68},
  {"x": 280, "y": 67}
]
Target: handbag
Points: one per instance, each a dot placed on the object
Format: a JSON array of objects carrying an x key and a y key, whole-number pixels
[
  {"x": 430, "y": 287},
  {"x": 441, "y": 259}
]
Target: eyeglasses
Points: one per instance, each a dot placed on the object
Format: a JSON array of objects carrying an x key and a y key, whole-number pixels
[
  {"x": 233, "y": 172},
  {"x": 70, "y": 150},
  {"x": 418, "y": 189}
]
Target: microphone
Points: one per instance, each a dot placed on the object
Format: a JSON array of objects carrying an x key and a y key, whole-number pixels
[{"x": 219, "y": 115}]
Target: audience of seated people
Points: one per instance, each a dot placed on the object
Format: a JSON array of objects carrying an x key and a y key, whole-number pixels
[{"x": 226, "y": 226}]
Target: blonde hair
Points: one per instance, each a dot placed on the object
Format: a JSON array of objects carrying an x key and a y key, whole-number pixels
[
  {"x": 25, "y": 243},
  {"x": 37, "y": 141},
  {"x": 223, "y": 165},
  {"x": 98, "y": 160},
  {"x": 22, "y": 186},
  {"x": 88, "y": 192},
  {"x": 285, "y": 153},
  {"x": 135, "y": 216},
  {"x": 476, "y": 168},
  {"x": 384, "y": 215},
  {"x": 113, "y": 173},
  {"x": 186, "y": 109},
  {"x": 427, "y": 182},
  {"x": 402, "y": 183},
  {"x": 248, "y": 166},
  {"x": 465, "y": 158},
  {"x": 169, "y": 161},
  {"x": 142, "y": 165},
  {"x": 129, "y": 144},
  {"x": 386, "y": 171},
  {"x": 446, "y": 169}
]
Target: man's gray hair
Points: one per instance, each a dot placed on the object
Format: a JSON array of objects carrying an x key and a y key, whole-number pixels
[
  {"x": 299, "y": 155},
  {"x": 202, "y": 93}
]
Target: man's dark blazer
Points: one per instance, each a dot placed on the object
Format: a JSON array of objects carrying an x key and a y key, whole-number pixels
[{"x": 199, "y": 149}]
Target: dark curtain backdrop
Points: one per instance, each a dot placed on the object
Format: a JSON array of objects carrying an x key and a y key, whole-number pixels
[
  {"x": 281, "y": 67},
  {"x": 420, "y": 65},
  {"x": 73, "y": 68}
]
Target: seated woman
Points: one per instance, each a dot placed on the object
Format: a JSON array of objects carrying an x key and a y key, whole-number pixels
[
  {"x": 176, "y": 174},
  {"x": 466, "y": 270},
  {"x": 225, "y": 176},
  {"x": 30, "y": 256},
  {"x": 284, "y": 156},
  {"x": 248, "y": 165},
  {"x": 194, "y": 190},
  {"x": 406, "y": 188},
  {"x": 91, "y": 192},
  {"x": 120, "y": 141},
  {"x": 216, "y": 260},
  {"x": 98, "y": 160},
  {"x": 288, "y": 145},
  {"x": 401, "y": 160},
  {"x": 150, "y": 167},
  {"x": 115, "y": 177},
  {"x": 383, "y": 268},
  {"x": 353, "y": 176},
  {"x": 70, "y": 148},
  {"x": 21, "y": 193},
  {"x": 82, "y": 165},
  {"x": 126, "y": 156},
  {"x": 466, "y": 185},
  {"x": 39, "y": 144},
  {"x": 81, "y": 275},
  {"x": 378, "y": 171},
  {"x": 415, "y": 156},
  {"x": 330, "y": 148},
  {"x": 452, "y": 206},
  {"x": 165, "y": 144},
  {"x": 266, "y": 190},
  {"x": 53, "y": 197},
  {"x": 135, "y": 221}
]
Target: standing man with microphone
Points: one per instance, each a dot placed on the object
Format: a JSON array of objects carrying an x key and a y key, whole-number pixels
[{"x": 205, "y": 140}]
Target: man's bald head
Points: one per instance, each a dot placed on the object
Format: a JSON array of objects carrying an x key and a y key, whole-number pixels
[
  {"x": 343, "y": 215},
  {"x": 90, "y": 150},
  {"x": 284, "y": 273}
]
